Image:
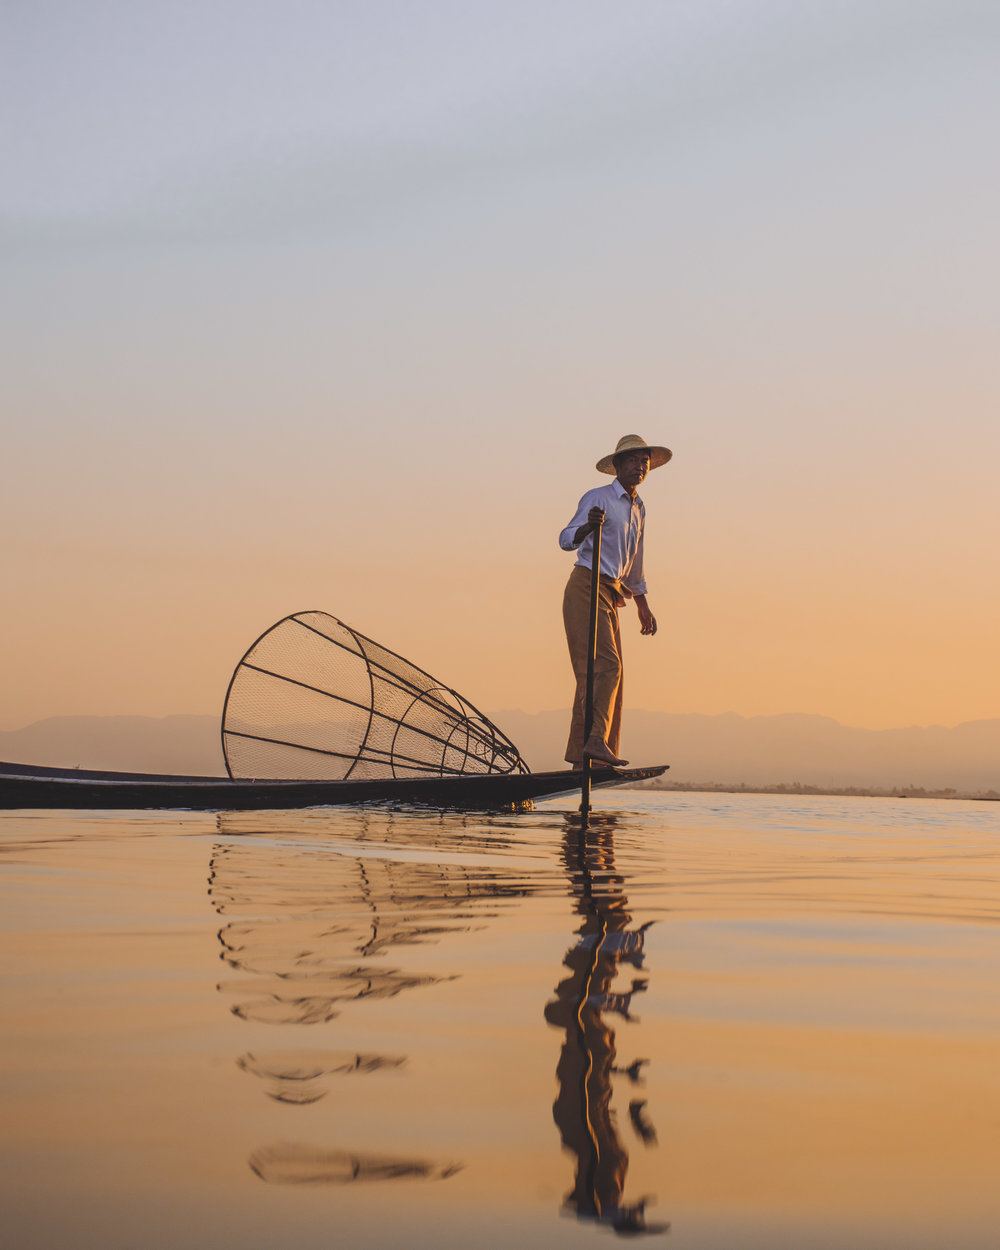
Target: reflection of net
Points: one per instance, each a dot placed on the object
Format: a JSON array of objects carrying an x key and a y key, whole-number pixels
[
  {"x": 311, "y": 934},
  {"x": 314, "y": 699}
]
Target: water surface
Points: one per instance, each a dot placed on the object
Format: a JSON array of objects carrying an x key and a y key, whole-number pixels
[{"x": 723, "y": 1021}]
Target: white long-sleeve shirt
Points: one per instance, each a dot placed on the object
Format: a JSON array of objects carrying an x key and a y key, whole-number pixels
[{"x": 621, "y": 539}]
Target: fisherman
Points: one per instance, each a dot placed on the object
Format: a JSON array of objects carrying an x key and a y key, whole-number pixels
[{"x": 621, "y": 577}]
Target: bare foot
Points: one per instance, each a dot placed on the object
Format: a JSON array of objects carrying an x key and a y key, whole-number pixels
[{"x": 601, "y": 753}]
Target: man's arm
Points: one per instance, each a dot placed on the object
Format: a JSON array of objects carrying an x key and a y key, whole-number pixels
[{"x": 587, "y": 515}]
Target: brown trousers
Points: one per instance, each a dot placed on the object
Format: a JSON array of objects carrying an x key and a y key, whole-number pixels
[{"x": 608, "y": 677}]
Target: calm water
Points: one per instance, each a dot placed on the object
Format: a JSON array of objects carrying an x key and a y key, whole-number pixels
[{"x": 730, "y": 1021}]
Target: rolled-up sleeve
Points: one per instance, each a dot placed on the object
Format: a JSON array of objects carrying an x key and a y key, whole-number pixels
[{"x": 566, "y": 536}]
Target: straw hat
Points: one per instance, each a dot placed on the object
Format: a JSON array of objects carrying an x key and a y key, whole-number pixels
[{"x": 632, "y": 442}]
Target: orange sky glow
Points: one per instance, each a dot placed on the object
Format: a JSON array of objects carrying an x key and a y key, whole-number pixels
[{"x": 357, "y": 348}]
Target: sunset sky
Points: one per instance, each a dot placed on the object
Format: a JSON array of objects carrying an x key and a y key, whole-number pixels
[{"x": 334, "y": 305}]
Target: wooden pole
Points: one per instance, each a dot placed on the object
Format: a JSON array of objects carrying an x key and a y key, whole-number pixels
[{"x": 588, "y": 715}]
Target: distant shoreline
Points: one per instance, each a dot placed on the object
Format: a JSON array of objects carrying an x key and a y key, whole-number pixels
[{"x": 795, "y": 788}]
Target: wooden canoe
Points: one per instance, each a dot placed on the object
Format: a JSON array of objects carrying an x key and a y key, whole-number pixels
[{"x": 31, "y": 786}]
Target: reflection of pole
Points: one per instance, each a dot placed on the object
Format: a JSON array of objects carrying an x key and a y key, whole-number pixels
[
  {"x": 587, "y": 1072},
  {"x": 583, "y": 1002},
  {"x": 588, "y": 715}
]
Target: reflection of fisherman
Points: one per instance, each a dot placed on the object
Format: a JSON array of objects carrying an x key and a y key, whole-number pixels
[
  {"x": 582, "y": 1109},
  {"x": 623, "y": 514}
]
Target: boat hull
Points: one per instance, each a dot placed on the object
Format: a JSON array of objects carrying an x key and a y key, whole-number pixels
[{"x": 31, "y": 786}]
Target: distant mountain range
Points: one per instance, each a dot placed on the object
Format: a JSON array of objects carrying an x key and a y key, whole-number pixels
[
  {"x": 169, "y": 744},
  {"x": 728, "y": 749},
  {"x": 769, "y": 750}
]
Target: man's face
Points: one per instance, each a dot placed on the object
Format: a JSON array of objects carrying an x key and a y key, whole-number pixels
[{"x": 632, "y": 468}]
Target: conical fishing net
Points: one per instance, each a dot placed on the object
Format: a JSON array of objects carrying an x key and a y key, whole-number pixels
[{"x": 314, "y": 699}]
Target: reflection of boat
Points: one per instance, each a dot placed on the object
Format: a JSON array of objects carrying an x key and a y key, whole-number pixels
[{"x": 25, "y": 785}]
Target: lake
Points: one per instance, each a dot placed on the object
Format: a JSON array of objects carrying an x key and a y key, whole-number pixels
[{"x": 724, "y": 1021}]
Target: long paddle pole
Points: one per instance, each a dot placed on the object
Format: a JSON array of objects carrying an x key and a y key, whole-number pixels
[{"x": 588, "y": 714}]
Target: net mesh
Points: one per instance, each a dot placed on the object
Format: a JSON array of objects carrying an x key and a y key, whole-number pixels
[{"x": 315, "y": 700}]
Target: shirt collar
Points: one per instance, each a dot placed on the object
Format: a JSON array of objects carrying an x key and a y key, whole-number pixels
[{"x": 622, "y": 493}]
